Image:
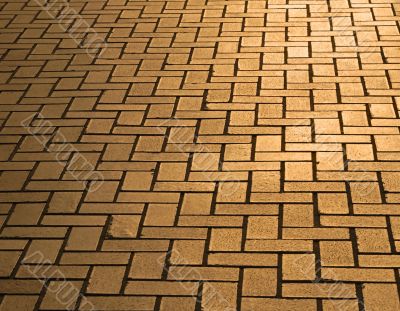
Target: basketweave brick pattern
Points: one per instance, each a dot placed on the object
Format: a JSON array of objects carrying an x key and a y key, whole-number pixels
[{"x": 200, "y": 155}]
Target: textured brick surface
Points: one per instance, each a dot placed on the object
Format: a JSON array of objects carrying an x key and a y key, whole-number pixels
[{"x": 202, "y": 155}]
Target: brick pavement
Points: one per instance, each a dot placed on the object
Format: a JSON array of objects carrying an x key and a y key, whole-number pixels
[{"x": 200, "y": 155}]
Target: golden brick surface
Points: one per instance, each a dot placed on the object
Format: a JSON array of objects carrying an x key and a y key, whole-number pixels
[{"x": 200, "y": 155}]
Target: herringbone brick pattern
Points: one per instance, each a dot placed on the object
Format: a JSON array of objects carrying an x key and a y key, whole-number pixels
[{"x": 186, "y": 155}]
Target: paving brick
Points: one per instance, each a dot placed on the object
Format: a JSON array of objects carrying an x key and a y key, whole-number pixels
[
  {"x": 297, "y": 215},
  {"x": 348, "y": 304},
  {"x": 226, "y": 239},
  {"x": 357, "y": 274},
  {"x": 56, "y": 289},
  {"x": 243, "y": 259},
  {"x": 187, "y": 252},
  {"x": 86, "y": 238},
  {"x": 147, "y": 266},
  {"x": 48, "y": 249},
  {"x": 160, "y": 288},
  {"x": 262, "y": 227},
  {"x": 298, "y": 267},
  {"x": 8, "y": 286},
  {"x": 259, "y": 282},
  {"x": 333, "y": 203},
  {"x": 106, "y": 280},
  {"x": 26, "y": 214},
  {"x": 66, "y": 202},
  {"x": 124, "y": 226},
  {"x": 336, "y": 253},
  {"x": 280, "y": 304},
  {"x": 341, "y": 290},
  {"x": 19, "y": 302},
  {"x": 207, "y": 273},
  {"x": 381, "y": 296},
  {"x": 114, "y": 303},
  {"x": 9, "y": 262},
  {"x": 103, "y": 258}
]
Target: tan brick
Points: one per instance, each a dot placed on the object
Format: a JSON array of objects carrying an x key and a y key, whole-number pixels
[
  {"x": 106, "y": 280},
  {"x": 298, "y": 171},
  {"x": 160, "y": 215},
  {"x": 184, "y": 303},
  {"x": 84, "y": 238},
  {"x": 9, "y": 261},
  {"x": 47, "y": 249},
  {"x": 137, "y": 181},
  {"x": 163, "y": 288},
  {"x": 187, "y": 252},
  {"x": 219, "y": 296},
  {"x": 268, "y": 143},
  {"x": 333, "y": 203},
  {"x": 298, "y": 267},
  {"x": 359, "y": 152},
  {"x": 381, "y": 296},
  {"x": 298, "y": 215},
  {"x": 26, "y": 214},
  {"x": 314, "y": 290},
  {"x": 118, "y": 303},
  {"x": 335, "y": 253},
  {"x": 18, "y": 302},
  {"x": 124, "y": 226},
  {"x": 147, "y": 266},
  {"x": 266, "y": 182},
  {"x": 259, "y": 282},
  {"x": 226, "y": 239},
  {"x": 196, "y": 203},
  {"x": 279, "y": 304},
  {"x": 262, "y": 227},
  {"x": 363, "y": 192}
]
